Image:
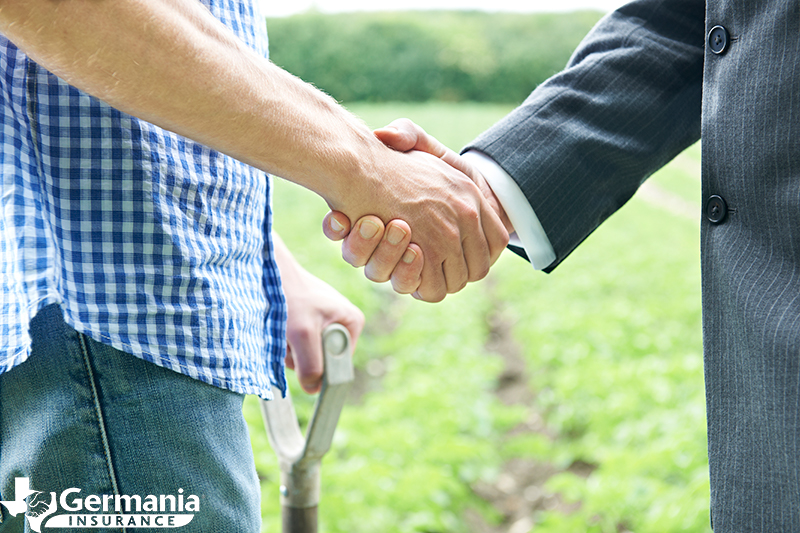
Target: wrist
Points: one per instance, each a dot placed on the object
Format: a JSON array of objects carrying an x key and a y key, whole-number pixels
[{"x": 359, "y": 183}]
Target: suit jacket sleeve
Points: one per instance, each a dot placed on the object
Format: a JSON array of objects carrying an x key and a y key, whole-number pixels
[{"x": 628, "y": 102}]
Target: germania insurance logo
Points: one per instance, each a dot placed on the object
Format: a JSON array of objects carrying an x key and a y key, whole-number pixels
[{"x": 73, "y": 509}]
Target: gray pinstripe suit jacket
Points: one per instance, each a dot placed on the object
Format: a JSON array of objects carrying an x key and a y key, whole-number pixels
[{"x": 639, "y": 89}]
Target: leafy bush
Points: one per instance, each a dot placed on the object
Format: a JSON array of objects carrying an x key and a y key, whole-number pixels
[{"x": 415, "y": 56}]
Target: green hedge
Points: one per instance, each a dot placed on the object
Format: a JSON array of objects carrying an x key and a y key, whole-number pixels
[{"x": 420, "y": 56}]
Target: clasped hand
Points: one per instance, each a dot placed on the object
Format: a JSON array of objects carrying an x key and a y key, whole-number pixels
[{"x": 388, "y": 253}]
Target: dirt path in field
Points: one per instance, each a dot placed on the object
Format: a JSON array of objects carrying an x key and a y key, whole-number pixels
[{"x": 518, "y": 492}]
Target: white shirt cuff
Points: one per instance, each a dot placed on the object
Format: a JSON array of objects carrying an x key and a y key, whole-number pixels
[{"x": 528, "y": 231}]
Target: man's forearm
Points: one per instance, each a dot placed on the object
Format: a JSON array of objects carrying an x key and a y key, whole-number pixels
[{"x": 172, "y": 63}]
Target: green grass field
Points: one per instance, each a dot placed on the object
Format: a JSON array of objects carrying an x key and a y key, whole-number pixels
[{"x": 566, "y": 402}]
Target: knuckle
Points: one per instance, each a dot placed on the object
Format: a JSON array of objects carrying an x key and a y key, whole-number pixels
[
  {"x": 436, "y": 298},
  {"x": 458, "y": 286},
  {"x": 359, "y": 319},
  {"x": 351, "y": 257},
  {"x": 434, "y": 257},
  {"x": 301, "y": 334},
  {"x": 311, "y": 385},
  {"x": 457, "y": 279},
  {"x": 473, "y": 214},
  {"x": 351, "y": 260},
  {"x": 451, "y": 235},
  {"x": 468, "y": 209},
  {"x": 374, "y": 274},
  {"x": 479, "y": 273},
  {"x": 400, "y": 288},
  {"x": 403, "y": 286},
  {"x": 312, "y": 375},
  {"x": 432, "y": 295},
  {"x": 407, "y": 278}
]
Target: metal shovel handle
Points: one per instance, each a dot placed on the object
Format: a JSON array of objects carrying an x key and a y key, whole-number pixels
[{"x": 299, "y": 457}]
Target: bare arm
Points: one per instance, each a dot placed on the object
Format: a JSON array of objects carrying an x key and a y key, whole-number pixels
[{"x": 172, "y": 63}]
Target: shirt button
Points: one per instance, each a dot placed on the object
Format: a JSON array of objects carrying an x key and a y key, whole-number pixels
[
  {"x": 716, "y": 209},
  {"x": 718, "y": 40}
]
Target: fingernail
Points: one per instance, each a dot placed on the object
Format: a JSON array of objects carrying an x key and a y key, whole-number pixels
[
  {"x": 336, "y": 225},
  {"x": 409, "y": 256},
  {"x": 395, "y": 235},
  {"x": 368, "y": 229}
]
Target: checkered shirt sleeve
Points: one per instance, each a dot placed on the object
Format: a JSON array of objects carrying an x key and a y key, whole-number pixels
[{"x": 150, "y": 242}]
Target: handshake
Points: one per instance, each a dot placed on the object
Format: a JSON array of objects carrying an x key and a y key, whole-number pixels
[
  {"x": 461, "y": 232},
  {"x": 460, "y": 227}
]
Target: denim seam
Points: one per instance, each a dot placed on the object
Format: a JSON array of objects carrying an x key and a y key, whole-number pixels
[{"x": 99, "y": 412}]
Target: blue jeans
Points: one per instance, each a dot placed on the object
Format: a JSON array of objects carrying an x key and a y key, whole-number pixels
[{"x": 80, "y": 414}]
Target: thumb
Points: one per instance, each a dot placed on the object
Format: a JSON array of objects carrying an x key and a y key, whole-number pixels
[
  {"x": 397, "y": 139},
  {"x": 405, "y": 135}
]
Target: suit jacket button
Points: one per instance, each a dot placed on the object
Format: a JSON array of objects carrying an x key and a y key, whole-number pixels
[
  {"x": 718, "y": 40},
  {"x": 716, "y": 209}
]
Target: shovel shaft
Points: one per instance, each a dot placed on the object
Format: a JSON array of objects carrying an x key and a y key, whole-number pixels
[
  {"x": 299, "y": 520},
  {"x": 299, "y": 457}
]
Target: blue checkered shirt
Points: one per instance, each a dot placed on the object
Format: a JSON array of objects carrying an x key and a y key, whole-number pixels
[{"x": 150, "y": 242}]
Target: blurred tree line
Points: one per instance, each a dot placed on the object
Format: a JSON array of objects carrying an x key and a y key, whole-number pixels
[{"x": 420, "y": 56}]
